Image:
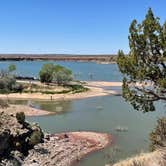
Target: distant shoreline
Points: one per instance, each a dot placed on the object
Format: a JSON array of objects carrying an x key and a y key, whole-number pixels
[{"x": 59, "y": 57}]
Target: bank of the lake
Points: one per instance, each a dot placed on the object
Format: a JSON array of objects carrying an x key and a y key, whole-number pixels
[
  {"x": 28, "y": 110},
  {"x": 95, "y": 88},
  {"x": 65, "y": 149},
  {"x": 99, "y": 114}
]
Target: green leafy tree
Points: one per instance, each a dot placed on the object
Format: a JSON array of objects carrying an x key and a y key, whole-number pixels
[
  {"x": 55, "y": 73},
  {"x": 8, "y": 81},
  {"x": 144, "y": 68},
  {"x": 46, "y": 73},
  {"x": 62, "y": 75}
]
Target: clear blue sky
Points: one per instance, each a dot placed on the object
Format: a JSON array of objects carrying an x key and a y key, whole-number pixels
[{"x": 71, "y": 26}]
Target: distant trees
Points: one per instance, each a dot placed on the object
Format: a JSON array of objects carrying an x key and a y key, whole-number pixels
[
  {"x": 144, "y": 68},
  {"x": 55, "y": 73},
  {"x": 8, "y": 82}
]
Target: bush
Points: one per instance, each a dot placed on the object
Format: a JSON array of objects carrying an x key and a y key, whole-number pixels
[
  {"x": 55, "y": 73},
  {"x": 158, "y": 135},
  {"x": 8, "y": 83},
  {"x": 20, "y": 116},
  {"x": 35, "y": 138},
  {"x": 17, "y": 87},
  {"x": 46, "y": 73}
]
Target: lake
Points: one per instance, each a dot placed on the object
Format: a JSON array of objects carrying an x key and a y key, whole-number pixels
[
  {"x": 81, "y": 70},
  {"x": 101, "y": 114}
]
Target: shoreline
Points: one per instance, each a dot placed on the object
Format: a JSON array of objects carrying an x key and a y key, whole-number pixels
[
  {"x": 96, "y": 88},
  {"x": 41, "y": 149},
  {"x": 28, "y": 110},
  {"x": 69, "y": 148},
  {"x": 103, "y": 58}
]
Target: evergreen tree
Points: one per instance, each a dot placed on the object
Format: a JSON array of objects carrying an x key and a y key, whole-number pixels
[{"x": 144, "y": 68}]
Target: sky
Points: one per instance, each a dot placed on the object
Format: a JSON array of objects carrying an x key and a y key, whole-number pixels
[{"x": 71, "y": 26}]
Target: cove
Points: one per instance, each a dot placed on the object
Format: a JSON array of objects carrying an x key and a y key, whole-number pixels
[{"x": 101, "y": 114}]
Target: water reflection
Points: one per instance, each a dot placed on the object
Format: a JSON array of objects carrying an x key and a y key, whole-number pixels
[{"x": 52, "y": 106}]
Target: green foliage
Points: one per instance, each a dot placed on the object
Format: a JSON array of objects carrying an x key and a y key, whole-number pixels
[
  {"x": 158, "y": 135},
  {"x": 8, "y": 82},
  {"x": 20, "y": 116},
  {"x": 11, "y": 67},
  {"x": 46, "y": 73},
  {"x": 59, "y": 92},
  {"x": 55, "y": 73},
  {"x": 144, "y": 68},
  {"x": 35, "y": 137},
  {"x": 78, "y": 88},
  {"x": 62, "y": 75},
  {"x": 72, "y": 88}
]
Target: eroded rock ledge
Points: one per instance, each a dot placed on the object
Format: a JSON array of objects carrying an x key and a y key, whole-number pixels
[
  {"x": 24, "y": 144},
  {"x": 65, "y": 149}
]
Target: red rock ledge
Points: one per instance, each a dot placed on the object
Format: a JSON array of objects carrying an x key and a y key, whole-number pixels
[{"x": 66, "y": 148}]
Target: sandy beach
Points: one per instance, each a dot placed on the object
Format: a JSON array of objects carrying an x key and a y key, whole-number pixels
[{"x": 96, "y": 88}]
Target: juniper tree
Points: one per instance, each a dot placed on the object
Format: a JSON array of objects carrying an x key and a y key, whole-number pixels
[{"x": 144, "y": 68}]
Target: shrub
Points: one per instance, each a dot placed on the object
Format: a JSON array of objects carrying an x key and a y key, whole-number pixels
[
  {"x": 35, "y": 138},
  {"x": 17, "y": 88},
  {"x": 20, "y": 116},
  {"x": 158, "y": 135},
  {"x": 55, "y": 73},
  {"x": 46, "y": 73},
  {"x": 8, "y": 83}
]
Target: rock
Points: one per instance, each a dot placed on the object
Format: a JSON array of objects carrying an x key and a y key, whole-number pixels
[
  {"x": 4, "y": 141},
  {"x": 16, "y": 137}
]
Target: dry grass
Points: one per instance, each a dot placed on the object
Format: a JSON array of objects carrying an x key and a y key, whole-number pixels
[{"x": 156, "y": 158}]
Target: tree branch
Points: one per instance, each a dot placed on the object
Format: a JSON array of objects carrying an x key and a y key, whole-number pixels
[{"x": 150, "y": 92}]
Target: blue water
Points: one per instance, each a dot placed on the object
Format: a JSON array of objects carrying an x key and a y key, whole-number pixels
[
  {"x": 81, "y": 70},
  {"x": 85, "y": 114}
]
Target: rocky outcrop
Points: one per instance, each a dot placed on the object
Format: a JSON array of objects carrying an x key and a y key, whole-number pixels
[
  {"x": 17, "y": 136},
  {"x": 66, "y": 148},
  {"x": 23, "y": 144}
]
